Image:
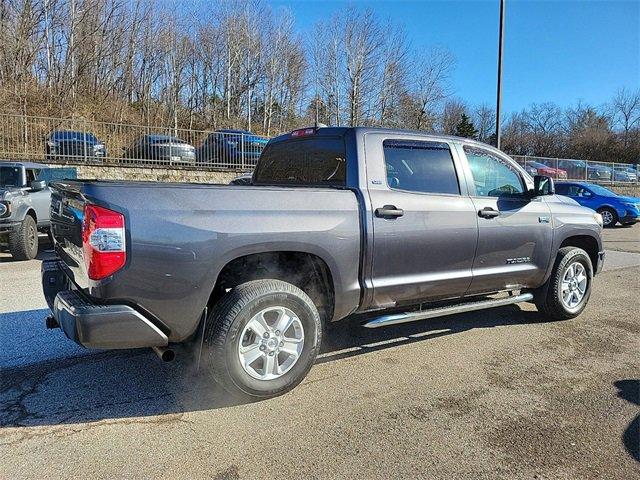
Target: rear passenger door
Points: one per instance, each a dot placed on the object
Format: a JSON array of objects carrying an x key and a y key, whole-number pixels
[{"x": 424, "y": 224}]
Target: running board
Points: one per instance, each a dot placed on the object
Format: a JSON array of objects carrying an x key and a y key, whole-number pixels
[{"x": 405, "y": 317}]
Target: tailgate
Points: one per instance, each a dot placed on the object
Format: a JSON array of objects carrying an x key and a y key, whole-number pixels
[{"x": 67, "y": 215}]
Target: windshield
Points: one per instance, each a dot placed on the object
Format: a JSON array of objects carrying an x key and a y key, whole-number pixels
[
  {"x": 604, "y": 192},
  {"x": 10, "y": 177},
  {"x": 68, "y": 135}
]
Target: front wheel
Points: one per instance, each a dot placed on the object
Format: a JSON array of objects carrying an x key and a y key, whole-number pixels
[
  {"x": 262, "y": 338},
  {"x": 609, "y": 217},
  {"x": 566, "y": 293},
  {"x": 23, "y": 242}
]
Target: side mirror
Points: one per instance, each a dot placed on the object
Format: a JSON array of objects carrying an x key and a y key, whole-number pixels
[
  {"x": 543, "y": 185},
  {"x": 37, "y": 185}
]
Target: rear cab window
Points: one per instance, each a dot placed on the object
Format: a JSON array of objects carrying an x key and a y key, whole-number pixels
[{"x": 314, "y": 161}]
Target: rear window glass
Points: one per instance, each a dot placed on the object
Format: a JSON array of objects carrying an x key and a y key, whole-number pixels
[
  {"x": 418, "y": 166},
  {"x": 312, "y": 161}
]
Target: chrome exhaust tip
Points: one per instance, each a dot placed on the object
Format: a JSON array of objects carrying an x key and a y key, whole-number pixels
[{"x": 165, "y": 354}]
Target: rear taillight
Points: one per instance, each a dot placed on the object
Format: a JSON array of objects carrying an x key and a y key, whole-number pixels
[{"x": 103, "y": 241}]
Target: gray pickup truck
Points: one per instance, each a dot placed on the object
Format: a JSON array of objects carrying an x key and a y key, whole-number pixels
[
  {"x": 25, "y": 199},
  {"x": 337, "y": 222}
]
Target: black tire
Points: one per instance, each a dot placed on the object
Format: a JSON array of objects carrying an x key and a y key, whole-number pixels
[
  {"x": 605, "y": 212},
  {"x": 548, "y": 298},
  {"x": 225, "y": 325},
  {"x": 23, "y": 243}
]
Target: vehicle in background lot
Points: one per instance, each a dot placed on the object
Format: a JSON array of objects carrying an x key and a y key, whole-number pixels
[
  {"x": 543, "y": 169},
  {"x": 163, "y": 149},
  {"x": 599, "y": 172},
  {"x": 623, "y": 173},
  {"x": 238, "y": 147},
  {"x": 25, "y": 199},
  {"x": 72, "y": 145},
  {"x": 398, "y": 225},
  {"x": 244, "y": 179},
  {"x": 614, "y": 208},
  {"x": 578, "y": 169}
]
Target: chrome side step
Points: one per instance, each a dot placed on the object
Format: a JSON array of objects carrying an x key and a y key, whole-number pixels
[{"x": 405, "y": 317}]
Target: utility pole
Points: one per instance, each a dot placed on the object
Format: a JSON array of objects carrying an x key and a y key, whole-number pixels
[{"x": 499, "y": 92}]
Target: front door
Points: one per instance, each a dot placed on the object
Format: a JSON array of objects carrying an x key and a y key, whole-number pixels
[
  {"x": 424, "y": 224},
  {"x": 514, "y": 231},
  {"x": 41, "y": 200}
]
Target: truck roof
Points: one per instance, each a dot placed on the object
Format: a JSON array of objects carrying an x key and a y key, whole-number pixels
[
  {"x": 13, "y": 163},
  {"x": 333, "y": 131}
]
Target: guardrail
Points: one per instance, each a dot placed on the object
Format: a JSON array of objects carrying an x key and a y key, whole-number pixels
[
  {"x": 583, "y": 170},
  {"x": 83, "y": 142}
]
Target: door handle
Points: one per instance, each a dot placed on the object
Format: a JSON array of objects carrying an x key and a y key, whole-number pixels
[
  {"x": 389, "y": 211},
  {"x": 488, "y": 212}
]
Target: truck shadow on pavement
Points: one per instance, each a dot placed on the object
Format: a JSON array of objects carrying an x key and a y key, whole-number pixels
[
  {"x": 629, "y": 390},
  {"x": 46, "y": 379}
]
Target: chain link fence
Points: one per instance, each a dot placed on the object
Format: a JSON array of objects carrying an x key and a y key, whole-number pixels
[
  {"x": 583, "y": 170},
  {"x": 82, "y": 142}
]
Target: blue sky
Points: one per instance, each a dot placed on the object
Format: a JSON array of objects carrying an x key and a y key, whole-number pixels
[{"x": 559, "y": 51}]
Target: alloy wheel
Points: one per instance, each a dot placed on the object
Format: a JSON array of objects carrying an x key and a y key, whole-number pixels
[{"x": 271, "y": 343}]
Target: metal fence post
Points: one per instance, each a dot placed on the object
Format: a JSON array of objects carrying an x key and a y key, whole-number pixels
[{"x": 242, "y": 150}]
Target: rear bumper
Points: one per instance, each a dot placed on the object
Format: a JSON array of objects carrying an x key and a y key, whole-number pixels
[{"x": 93, "y": 325}]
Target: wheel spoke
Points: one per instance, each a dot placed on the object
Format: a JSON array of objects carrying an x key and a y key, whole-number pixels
[
  {"x": 258, "y": 325},
  {"x": 270, "y": 365},
  {"x": 251, "y": 354},
  {"x": 284, "y": 322}
]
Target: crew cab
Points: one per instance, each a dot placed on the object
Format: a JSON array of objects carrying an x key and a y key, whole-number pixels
[{"x": 337, "y": 222}]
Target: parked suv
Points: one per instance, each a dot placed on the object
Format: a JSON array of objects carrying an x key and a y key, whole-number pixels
[
  {"x": 398, "y": 225},
  {"x": 161, "y": 149},
  {"x": 72, "y": 145},
  {"x": 235, "y": 147},
  {"x": 25, "y": 199}
]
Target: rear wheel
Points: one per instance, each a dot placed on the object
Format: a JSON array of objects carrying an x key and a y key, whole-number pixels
[
  {"x": 262, "y": 338},
  {"x": 609, "y": 217},
  {"x": 566, "y": 293},
  {"x": 23, "y": 243}
]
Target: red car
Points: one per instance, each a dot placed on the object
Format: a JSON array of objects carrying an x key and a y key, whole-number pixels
[{"x": 546, "y": 170}]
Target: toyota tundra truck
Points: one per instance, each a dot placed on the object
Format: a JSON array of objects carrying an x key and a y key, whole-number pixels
[{"x": 337, "y": 222}]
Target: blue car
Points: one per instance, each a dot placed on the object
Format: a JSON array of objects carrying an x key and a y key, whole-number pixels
[{"x": 614, "y": 208}]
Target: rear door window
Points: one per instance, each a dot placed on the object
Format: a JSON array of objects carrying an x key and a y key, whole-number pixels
[
  {"x": 311, "y": 161},
  {"x": 419, "y": 166}
]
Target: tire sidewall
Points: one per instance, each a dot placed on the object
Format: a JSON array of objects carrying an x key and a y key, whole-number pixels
[
  {"x": 28, "y": 226},
  {"x": 574, "y": 256},
  {"x": 310, "y": 323}
]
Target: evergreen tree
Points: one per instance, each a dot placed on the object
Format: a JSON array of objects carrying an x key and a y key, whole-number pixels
[{"x": 465, "y": 128}]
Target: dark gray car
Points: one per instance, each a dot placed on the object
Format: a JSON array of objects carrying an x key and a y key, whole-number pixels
[{"x": 397, "y": 225}]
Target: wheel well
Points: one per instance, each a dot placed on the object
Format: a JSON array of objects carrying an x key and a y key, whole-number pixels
[
  {"x": 32, "y": 213},
  {"x": 586, "y": 243},
  {"x": 306, "y": 271}
]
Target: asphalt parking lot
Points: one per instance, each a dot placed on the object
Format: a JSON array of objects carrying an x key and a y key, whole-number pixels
[{"x": 493, "y": 394}]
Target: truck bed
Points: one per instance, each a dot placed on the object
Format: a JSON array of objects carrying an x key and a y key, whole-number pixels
[{"x": 179, "y": 236}]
